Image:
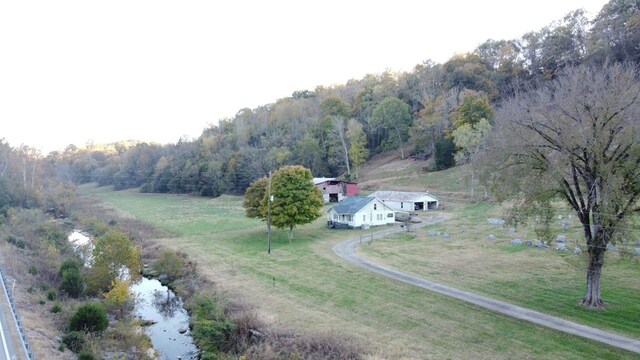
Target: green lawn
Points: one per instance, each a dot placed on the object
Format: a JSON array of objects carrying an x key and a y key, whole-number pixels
[{"x": 303, "y": 285}]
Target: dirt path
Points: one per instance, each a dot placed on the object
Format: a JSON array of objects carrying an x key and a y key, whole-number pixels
[{"x": 348, "y": 251}]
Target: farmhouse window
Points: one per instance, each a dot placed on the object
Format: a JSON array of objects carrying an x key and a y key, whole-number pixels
[
  {"x": 389, "y": 215},
  {"x": 375, "y": 206}
]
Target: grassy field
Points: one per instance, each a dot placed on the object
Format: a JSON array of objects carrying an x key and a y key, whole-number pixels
[
  {"x": 546, "y": 280},
  {"x": 303, "y": 285}
]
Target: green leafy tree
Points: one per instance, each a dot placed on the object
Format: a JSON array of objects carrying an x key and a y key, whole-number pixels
[
  {"x": 473, "y": 108},
  {"x": 334, "y": 105},
  {"x": 113, "y": 254},
  {"x": 253, "y": 198},
  {"x": 564, "y": 43},
  {"x": 296, "y": 201},
  {"x": 468, "y": 71},
  {"x": 616, "y": 32},
  {"x": 393, "y": 115},
  {"x": 576, "y": 139},
  {"x": 306, "y": 153}
]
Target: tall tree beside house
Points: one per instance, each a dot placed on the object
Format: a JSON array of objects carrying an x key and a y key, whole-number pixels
[
  {"x": 296, "y": 201},
  {"x": 575, "y": 139}
]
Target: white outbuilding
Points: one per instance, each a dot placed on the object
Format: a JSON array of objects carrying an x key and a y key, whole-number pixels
[{"x": 407, "y": 201}]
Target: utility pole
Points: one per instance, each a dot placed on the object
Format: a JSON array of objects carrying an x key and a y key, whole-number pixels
[{"x": 269, "y": 199}]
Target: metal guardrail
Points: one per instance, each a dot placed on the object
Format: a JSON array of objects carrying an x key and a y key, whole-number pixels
[{"x": 16, "y": 318}]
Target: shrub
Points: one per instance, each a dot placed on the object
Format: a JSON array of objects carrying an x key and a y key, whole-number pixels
[
  {"x": 211, "y": 328},
  {"x": 91, "y": 317},
  {"x": 119, "y": 299},
  {"x": 86, "y": 355},
  {"x": 56, "y": 308},
  {"x": 52, "y": 295},
  {"x": 170, "y": 264},
  {"x": 74, "y": 341},
  {"x": 33, "y": 270},
  {"x": 72, "y": 283},
  {"x": 69, "y": 264}
]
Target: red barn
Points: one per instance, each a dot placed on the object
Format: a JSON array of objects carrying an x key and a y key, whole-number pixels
[{"x": 334, "y": 190}]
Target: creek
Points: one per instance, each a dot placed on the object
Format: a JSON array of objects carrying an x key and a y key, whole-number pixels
[{"x": 156, "y": 305}]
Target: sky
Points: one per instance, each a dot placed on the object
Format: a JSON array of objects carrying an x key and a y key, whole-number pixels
[{"x": 81, "y": 72}]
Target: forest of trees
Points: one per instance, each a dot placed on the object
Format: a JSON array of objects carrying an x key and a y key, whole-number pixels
[{"x": 333, "y": 130}]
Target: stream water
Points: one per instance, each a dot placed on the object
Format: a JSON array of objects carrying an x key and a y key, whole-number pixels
[
  {"x": 170, "y": 334},
  {"x": 169, "y": 330}
]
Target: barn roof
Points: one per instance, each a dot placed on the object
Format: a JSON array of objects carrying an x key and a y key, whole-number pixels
[
  {"x": 402, "y": 195},
  {"x": 317, "y": 181}
]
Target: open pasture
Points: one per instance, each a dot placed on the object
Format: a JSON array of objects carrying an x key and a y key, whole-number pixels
[{"x": 303, "y": 285}]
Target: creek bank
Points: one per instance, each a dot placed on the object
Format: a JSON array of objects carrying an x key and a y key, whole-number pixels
[{"x": 160, "y": 310}]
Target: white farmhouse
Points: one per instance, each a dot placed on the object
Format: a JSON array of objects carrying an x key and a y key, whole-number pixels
[
  {"x": 407, "y": 201},
  {"x": 360, "y": 211}
]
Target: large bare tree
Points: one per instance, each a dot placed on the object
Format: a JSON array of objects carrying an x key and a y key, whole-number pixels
[{"x": 576, "y": 138}]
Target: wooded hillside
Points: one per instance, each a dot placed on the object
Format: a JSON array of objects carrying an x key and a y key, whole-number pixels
[{"x": 332, "y": 130}]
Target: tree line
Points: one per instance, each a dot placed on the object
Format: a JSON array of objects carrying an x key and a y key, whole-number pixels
[{"x": 432, "y": 112}]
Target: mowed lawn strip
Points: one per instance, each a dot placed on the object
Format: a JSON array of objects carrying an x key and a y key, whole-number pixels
[
  {"x": 549, "y": 281},
  {"x": 303, "y": 285}
]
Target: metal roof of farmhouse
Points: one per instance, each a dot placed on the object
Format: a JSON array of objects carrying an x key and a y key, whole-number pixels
[{"x": 352, "y": 204}]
